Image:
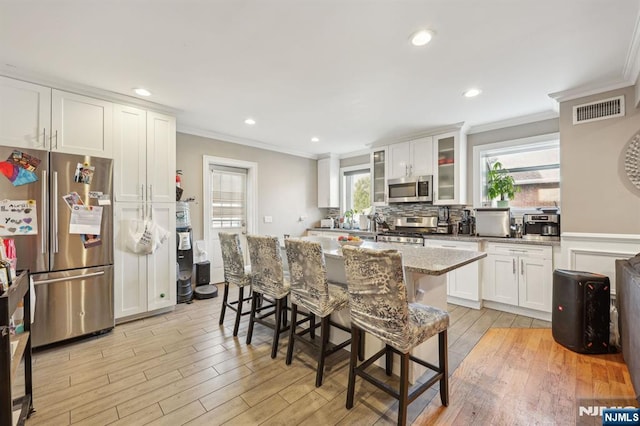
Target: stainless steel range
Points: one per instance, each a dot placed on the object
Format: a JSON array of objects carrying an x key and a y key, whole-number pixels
[{"x": 410, "y": 230}]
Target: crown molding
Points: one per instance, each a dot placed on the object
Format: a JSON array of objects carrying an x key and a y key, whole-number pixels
[
  {"x": 588, "y": 90},
  {"x": 243, "y": 141},
  {"x": 516, "y": 121},
  {"x": 81, "y": 89},
  {"x": 460, "y": 126},
  {"x": 632, "y": 64},
  {"x": 355, "y": 153}
]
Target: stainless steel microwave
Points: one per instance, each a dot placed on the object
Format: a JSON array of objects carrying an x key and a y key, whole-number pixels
[{"x": 411, "y": 189}]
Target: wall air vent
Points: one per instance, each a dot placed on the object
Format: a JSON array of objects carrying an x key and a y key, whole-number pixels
[{"x": 599, "y": 110}]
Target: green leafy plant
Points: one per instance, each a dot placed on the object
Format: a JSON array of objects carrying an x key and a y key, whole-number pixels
[{"x": 500, "y": 183}]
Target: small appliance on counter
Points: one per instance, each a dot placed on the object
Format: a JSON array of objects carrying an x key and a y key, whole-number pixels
[
  {"x": 467, "y": 223},
  {"x": 541, "y": 226},
  {"x": 493, "y": 222},
  {"x": 444, "y": 227},
  {"x": 326, "y": 223}
]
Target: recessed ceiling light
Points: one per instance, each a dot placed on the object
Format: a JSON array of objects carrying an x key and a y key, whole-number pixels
[
  {"x": 142, "y": 92},
  {"x": 250, "y": 121},
  {"x": 472, "y": 93},
  {"x": 314, "y": 139},
  {"x": 422, "y": 37}
]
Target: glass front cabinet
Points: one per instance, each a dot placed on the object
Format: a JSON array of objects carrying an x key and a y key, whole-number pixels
[
  {"x": 379, "y": 172},
  {"x": 450, "y": 177}
]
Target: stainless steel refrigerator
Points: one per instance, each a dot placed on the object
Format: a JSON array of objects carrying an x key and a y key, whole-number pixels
[{"x": 72, "y": 272}]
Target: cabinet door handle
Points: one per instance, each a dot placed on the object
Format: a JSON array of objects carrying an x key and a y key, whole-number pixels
[
  {"x": 142, "y": 192},
  {"x": 56, "y": 139},
  {"x": 521, "y": 267},
  {"x": 514, "y": 266},
  {"x": 44, "y": 137},
  {"x": 150, "y": 192}
]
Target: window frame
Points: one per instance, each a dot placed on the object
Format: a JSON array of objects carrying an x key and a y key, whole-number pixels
[
  {"x": 478, "y": 169},
  {"x": 343, "y": 192}
]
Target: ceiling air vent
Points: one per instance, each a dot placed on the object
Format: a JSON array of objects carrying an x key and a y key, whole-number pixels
[{"x": 599, "y": 110}]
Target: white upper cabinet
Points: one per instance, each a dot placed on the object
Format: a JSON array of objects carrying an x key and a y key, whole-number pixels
[
  {"x": 130, "y": 153},
  {"x": 81, "y": 125},
  {"x": 379, "y": 176},
  {"x": 161, "y": 157},
  {"x": 145, "y": 154},
  {"x": 329, "y": 182},
  {"x": 413, "y": 158},
  {"x": 25, "y": 114},
  {"x": 450, "y": 168}
]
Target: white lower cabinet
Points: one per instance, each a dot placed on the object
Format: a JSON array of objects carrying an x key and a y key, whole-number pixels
[
  {"x": 463, "y": 284},
  {"x": 144, "y": 283},
  {"x": 519, "y": 275}
]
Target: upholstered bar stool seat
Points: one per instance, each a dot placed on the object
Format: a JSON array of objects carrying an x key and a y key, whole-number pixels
[
  {"x": 379, "y": 306},
  {"x": 311, "y": 291},
  {"x": 268, "y": 279},
  {"x": 236, "y": 273}
]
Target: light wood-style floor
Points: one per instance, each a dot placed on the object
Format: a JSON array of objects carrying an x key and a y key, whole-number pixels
[{"x": 182, "y": 368}]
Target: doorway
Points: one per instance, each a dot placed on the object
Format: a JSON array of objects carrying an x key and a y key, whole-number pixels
[{"x": 230, "y": 194}]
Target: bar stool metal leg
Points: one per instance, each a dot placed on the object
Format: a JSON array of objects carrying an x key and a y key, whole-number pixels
[
  {"x": 444, "y": 367},
  {"x": 239, "y": 310},
  {"x": 292, "y": 333},
  {"x": 225, "y": 297},
  {"x": 353, "y": 362},
  {"x": 324, "y": 335},
  {"x": 252, "y": 316}
]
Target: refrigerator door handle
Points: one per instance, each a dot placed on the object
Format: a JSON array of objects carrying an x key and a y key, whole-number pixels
[
  {"x": 76, "y": 277},
  {"x": 55, "y": 212},
  {"x": 44, "y": 213}
]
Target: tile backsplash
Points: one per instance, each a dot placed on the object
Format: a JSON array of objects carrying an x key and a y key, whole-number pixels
[{"x": 393, "y": 211}]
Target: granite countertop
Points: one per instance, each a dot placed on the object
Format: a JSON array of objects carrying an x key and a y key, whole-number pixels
[
  {"x": 470, "y": 238},
  {"x": 473, "y": 238},
  {"x": 423, "y": 260}
]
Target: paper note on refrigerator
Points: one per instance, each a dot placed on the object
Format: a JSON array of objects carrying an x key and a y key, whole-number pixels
[
  {"x": 18, "y": 217},
  {"x": 85, "y": 220}
]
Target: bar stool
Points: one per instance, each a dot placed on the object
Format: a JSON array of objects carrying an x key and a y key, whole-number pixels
[
  {"x": 267, "y": 279},
  {"x": 236, "y": 273},
  {"x": 379, "y": 306},
  {"x": 311, "y": 290}
]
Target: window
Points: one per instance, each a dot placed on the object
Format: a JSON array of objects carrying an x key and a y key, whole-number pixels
[
  {"x": 356, "y": 188},
  {"x": 228, "y": 197},
  {"x": 534, "y": 163}
]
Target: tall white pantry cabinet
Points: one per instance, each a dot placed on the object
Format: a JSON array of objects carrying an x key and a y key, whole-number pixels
[{"x": 144, "y": 182}]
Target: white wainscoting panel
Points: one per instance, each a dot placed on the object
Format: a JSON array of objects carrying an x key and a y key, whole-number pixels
[{"x": 597, "y": 252}]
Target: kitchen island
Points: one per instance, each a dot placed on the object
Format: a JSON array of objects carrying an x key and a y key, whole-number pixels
[{"x": 425, "y": 271}]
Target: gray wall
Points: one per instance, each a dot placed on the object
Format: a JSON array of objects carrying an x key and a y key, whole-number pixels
[
  {"x": 597, "y": 196},
  {"x": 537, "y": 128},
  {"x": 287, "y": 185}
]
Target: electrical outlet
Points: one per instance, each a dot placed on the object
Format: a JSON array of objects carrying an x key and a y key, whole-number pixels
[
  {"x": 268, "y": 219},
  {"x": 302, "y": 218}
]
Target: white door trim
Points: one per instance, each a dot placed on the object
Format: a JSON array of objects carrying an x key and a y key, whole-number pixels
[{"x": 252, "y": 191}]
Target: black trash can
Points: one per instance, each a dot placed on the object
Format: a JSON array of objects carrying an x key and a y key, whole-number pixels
[{"x": 580, "y": 316}]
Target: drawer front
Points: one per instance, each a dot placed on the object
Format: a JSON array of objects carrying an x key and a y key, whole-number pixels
[
  {"x": 541, "y": 252},
  {"x": 459, "y": 245}
]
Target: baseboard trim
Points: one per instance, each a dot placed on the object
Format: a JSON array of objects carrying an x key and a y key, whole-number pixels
[
  {"x": 473, "y": 304},
  {"x": 531, "y": 313}
]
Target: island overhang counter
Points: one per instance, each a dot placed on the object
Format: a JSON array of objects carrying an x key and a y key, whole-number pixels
[{"x": 425, "y": 270}]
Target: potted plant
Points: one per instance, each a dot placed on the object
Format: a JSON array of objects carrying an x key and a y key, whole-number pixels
[{"x": 500, "y": 184}]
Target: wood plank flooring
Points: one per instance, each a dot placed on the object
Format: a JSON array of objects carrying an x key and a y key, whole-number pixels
[{"x": 183, "y": 368}]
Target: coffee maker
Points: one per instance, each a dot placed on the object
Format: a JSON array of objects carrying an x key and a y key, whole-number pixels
[
  {"x": 444, "y": 227},
  {"x": 541, "y": 225},
  {"x": 465, "y": 226}
]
